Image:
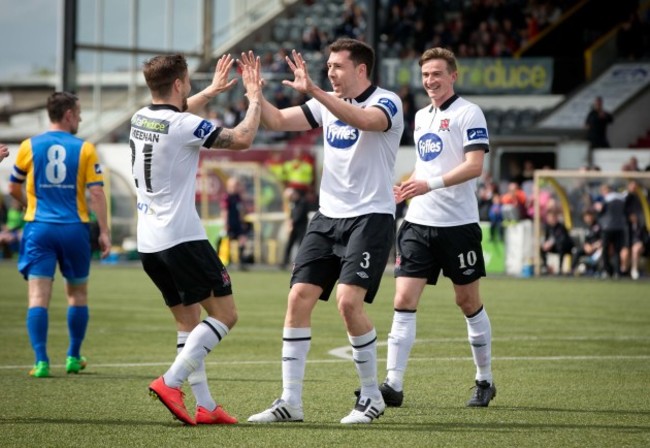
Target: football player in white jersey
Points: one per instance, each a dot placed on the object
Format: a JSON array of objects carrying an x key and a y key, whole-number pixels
[
  {"x": 165, "y": 140},
  {"x": 350, "y": 237},
  {"x": 440, "y": 232}
]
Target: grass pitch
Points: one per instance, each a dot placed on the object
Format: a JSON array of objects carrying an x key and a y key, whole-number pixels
[{"x": 571, "y": 359}]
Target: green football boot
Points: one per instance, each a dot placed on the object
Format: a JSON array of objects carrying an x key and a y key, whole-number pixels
[
  {"x": 75, "y": 365},
  {"x": 41, "y": 370}
]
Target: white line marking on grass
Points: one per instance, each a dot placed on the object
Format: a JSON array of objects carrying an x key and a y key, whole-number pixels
[
  {"x": 338, "y": 360},
  {"x": 345, "y": 352}
]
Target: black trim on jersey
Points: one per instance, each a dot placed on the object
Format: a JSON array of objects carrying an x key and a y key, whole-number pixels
[
  {"x": 390, "y": 122},
  {"x": 212, "y": 137},
  {"x": 309, "y": 116},
  {"x": 163, "y": 106},
  {"x": 476, "y": 147},
  {"x": 366, "y": 94},
  {"x": 446, "y": 104}
]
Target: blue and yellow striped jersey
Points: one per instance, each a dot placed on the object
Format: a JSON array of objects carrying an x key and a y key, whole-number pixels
[{"x": 57, "y": 168}]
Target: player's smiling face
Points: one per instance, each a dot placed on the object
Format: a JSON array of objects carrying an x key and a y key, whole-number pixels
[
  {"x": 343, "y": 74},
  {"x": 437, "y": 81}
]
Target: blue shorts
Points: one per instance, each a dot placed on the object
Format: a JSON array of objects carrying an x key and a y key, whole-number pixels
[{"x": 45, "y": 244}]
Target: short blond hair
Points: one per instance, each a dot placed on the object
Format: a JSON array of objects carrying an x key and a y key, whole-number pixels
[{"x": 440, "y": 53}]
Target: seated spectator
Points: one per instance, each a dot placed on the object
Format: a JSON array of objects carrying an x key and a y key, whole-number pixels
[
  {"x": 556, "y": 240},
  {"x": 586, "y": 257}
]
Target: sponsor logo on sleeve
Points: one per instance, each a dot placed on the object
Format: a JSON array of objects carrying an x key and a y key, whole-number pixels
[
  {"x": 429, "y": 147},
  {"x": 477, "y": 134},
  {"x": 98, "y": 168},
  {"x": 203, "y": 129},
  {"x": 388, "y": 104}
]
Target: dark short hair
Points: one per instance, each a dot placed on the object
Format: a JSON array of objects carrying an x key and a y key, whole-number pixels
[
  {"x": 440, "y": 53},
  {"x": 161, "y": 71},
  {"x": 59, "y": 103},
  {"x": 360, "y": 52}
]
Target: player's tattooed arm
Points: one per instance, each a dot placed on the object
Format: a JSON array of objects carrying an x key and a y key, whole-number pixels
[{"x": 242, "y": 135}]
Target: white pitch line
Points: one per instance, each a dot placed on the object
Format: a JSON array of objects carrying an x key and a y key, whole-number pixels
[{"x": 338, "y": 360}]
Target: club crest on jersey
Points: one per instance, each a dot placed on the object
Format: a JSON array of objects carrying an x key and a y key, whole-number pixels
[
  {"x": 444, "y": 125},
  {"x": 429, "y": 147},
  {"x": 341, "y": 135},
  {"x": 477, "y": 134},
  {"x": 203, "y": 129},
  {"x": 388, "y": 104}
]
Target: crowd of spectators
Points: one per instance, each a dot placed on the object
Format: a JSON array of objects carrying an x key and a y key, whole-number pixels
[{"x": 609, "y": 238}]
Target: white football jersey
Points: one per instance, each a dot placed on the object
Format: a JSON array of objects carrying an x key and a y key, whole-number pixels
[
  {"x": 358, "y": 165},
  {"x": 165, "y": 146},
  {"x": 442, "y": 136}
]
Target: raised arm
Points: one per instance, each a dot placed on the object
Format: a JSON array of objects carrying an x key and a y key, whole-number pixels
[
  {"x": 366, "y": 119},
  {"x": 288, "y": 119},
  {"x": 220, "y": 83},
  {"x": 242, "y": 135}
]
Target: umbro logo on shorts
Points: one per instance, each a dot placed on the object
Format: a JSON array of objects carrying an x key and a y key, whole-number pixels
[{"x": 362, "y": 274}]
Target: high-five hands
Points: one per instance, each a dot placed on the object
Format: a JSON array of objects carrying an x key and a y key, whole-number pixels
[
  {"x": 302, "y": 82},
  {"x": 250, "y": 67},
  {"x": 220, "y": 82}
]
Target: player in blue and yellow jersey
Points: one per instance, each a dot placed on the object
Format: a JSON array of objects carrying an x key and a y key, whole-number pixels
[{"x": 57, "y": 169}]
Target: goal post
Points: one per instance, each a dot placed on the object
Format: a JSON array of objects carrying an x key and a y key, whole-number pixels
[{"x": 574, "y": 192}]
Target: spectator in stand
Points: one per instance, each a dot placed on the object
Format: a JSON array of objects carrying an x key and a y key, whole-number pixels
[
  {"x": 556, "y": 240},
  {"x": 514, "y": 203},
  {"x": 596, "y": 124},
  {"x": 586, "y": 257}
]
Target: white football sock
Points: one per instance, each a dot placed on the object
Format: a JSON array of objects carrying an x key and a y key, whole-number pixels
[
  {"x": 295, "y": 347},
  {"x": 400, "y": 342},
  {"x": 198, "y": 379},
  {"x": 479, "y": 334},
  {"x": 200, "y": 342},
  {"x": 364, "y": 353}
]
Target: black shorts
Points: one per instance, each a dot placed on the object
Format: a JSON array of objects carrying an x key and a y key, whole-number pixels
[
  {"x": 423, "y": 251},
  {"x": 187, "y": 273},
  {"x": 353, "y": 251}
]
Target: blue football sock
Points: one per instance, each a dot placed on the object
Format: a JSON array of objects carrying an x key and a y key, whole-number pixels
[
  {"x": 37, "y": 321},
  {"x": 77, "y": 324}
]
